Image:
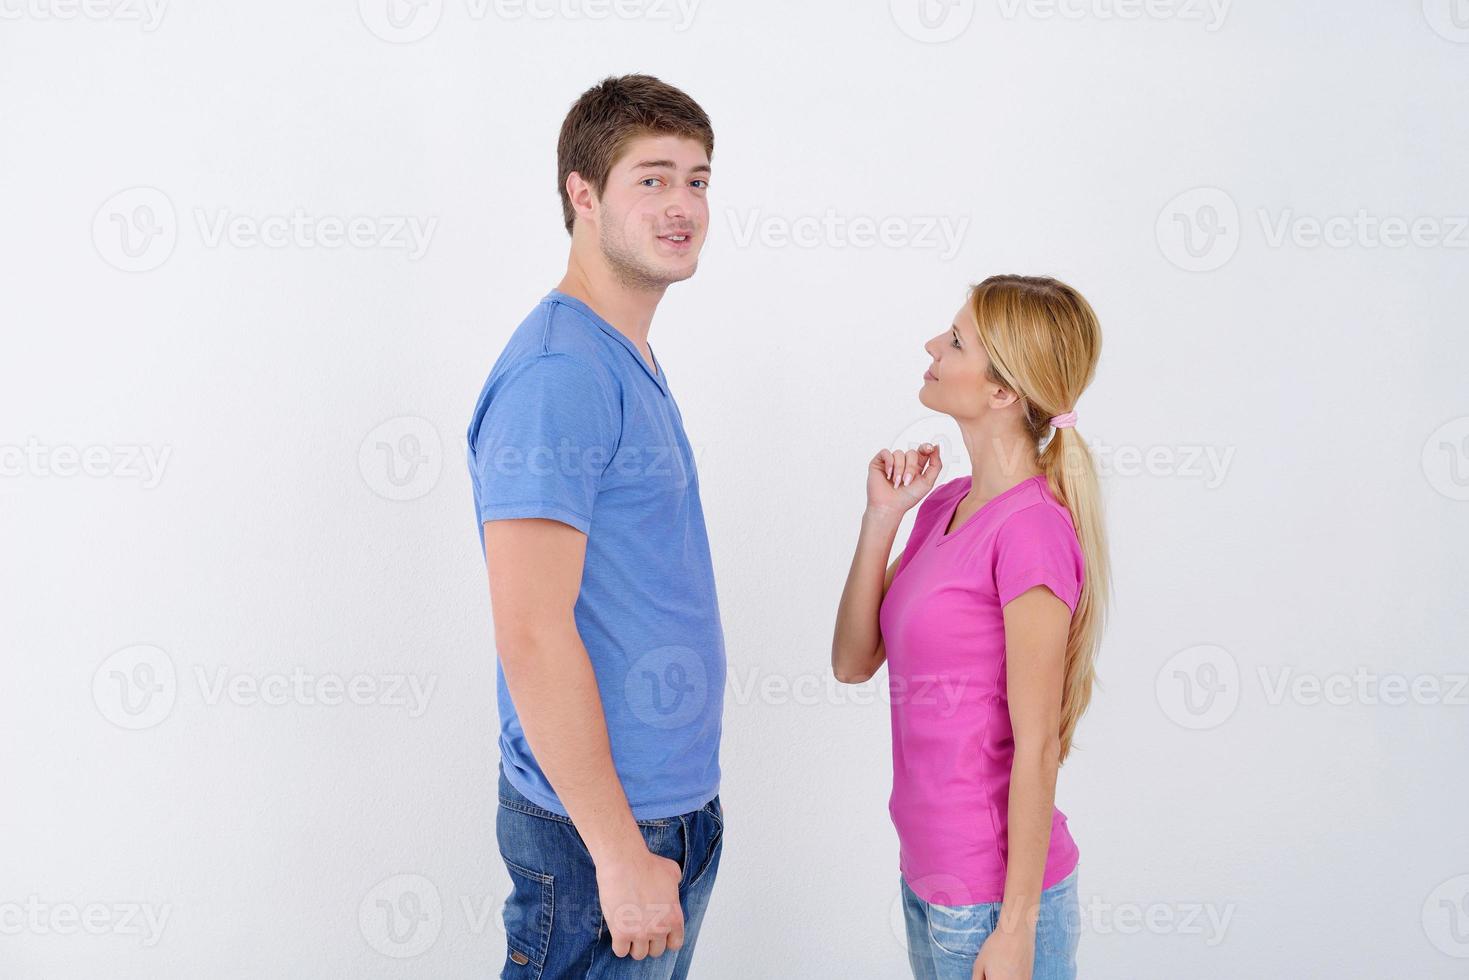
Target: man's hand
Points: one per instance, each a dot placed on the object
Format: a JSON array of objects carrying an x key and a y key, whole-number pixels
[{"x": 639, "y": 895}]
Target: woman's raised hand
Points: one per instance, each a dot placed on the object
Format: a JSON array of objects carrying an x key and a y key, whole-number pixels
[{"x": 897, "y": 479}]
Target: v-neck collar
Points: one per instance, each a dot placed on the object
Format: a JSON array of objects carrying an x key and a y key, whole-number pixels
[
  {"x": 948, "y": 515},
  {"x": 656, "y": 372}
]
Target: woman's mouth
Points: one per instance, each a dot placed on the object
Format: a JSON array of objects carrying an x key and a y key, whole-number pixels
[{"x": 928, "y": 376}]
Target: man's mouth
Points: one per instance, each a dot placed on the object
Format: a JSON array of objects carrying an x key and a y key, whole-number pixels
[{"x": 678, "y": 241}]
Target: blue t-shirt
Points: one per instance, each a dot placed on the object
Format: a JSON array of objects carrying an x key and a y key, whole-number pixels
[{"x": 574, "y": 425}]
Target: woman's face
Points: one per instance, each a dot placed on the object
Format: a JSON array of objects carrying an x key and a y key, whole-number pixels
[{"x": 955, "y": 383}]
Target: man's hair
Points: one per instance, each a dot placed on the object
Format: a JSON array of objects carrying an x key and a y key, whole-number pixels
[{"x": 613, "y": 113}]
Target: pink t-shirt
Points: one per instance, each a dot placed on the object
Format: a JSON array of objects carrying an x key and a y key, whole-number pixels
[{"x": 944, "y": 629}]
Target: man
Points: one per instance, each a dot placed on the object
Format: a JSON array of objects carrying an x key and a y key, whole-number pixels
[{"x": 611, "y": 653}]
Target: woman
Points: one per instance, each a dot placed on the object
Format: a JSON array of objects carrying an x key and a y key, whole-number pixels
[{"x": 989, "y": 622}]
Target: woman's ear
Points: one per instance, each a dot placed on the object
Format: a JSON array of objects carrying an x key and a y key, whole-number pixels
[{"x": 1002, "y": 397}]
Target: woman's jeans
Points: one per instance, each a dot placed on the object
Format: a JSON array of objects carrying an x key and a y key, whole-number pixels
[
  {"x": 943, "y": 940},
  {"x": 553, "y": 920}
]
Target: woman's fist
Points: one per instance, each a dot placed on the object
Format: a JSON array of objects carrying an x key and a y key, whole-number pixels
[{"x": 897, "y": 479}]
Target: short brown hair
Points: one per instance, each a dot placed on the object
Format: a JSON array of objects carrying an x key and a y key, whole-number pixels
[{"x": 613, "y": 113}]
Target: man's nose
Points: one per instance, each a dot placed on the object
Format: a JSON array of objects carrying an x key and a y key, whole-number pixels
[{"x": 678, "y": 203}]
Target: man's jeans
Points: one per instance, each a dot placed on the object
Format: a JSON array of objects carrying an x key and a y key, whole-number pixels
[{"x": 553, "y": 920}]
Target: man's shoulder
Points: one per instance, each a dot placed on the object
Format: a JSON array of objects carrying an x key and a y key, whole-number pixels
[{"x": 556, "y": 338}]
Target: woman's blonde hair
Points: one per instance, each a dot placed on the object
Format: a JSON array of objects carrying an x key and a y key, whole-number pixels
[{"x": 1043, "y": 341}]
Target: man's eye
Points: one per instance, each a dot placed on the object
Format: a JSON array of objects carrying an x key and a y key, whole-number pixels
[
  {"x": 649, "y": 181},
  {"x": 701, "y": 184}
]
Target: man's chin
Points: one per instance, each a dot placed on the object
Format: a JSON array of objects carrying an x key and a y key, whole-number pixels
[
  {"x": 683, "y": 272},
  {"x": 650, "y": 271},
  {"x": 673, "y": 265},
  {"x": 669, "y": 273}
]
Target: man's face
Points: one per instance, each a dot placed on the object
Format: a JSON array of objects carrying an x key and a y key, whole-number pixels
[{"x": 654, "y": 212}]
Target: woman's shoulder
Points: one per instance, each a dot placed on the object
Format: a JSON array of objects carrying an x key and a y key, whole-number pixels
[
  {"x": 1037, "y": 513},
  {"x": 1037, "y": 544}
]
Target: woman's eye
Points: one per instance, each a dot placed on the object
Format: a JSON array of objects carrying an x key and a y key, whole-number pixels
[{"x": 954, "y": 342}]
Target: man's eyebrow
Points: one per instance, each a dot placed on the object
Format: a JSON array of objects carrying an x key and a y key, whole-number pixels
[{"x": 669, "y": 165}]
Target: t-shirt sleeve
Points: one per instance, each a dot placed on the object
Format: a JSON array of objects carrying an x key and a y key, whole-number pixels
[
  {"x": 1037, "y": 546},
  {"x": 548, "y": 432}
]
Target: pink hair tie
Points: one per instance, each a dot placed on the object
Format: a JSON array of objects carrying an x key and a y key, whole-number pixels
[{"x": 1066, "y": 420}]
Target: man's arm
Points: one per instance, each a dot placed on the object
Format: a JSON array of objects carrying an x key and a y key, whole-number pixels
[{"x": 535, "y": 571}]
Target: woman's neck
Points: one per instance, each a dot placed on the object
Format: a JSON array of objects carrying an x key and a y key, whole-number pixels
[{"x": 999, "y": 459}]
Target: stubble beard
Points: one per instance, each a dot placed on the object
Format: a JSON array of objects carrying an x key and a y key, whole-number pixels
[{"x": 630, "y": 269}]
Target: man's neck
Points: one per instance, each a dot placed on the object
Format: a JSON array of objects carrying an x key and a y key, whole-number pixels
[{"x": 629, "y": 310}]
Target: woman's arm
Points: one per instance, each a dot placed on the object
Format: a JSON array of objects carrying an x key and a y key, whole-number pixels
[
  {"x": 1036, "y": 628},
  {"x": 855, "y": 656},
  {"x": 895, "y": 482}
]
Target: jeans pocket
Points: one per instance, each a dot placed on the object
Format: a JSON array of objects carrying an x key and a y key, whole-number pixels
[
  {"x": 961, "y": 929},
  {"x": 529, "y": 910},
  {"x": 713, "y": 833}
]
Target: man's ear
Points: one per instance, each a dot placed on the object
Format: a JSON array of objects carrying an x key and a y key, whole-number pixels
[{"x": 583, "y": 198}]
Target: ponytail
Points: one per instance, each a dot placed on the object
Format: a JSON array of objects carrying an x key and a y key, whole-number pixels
[
  {"x": 1043, "y": 342},
  {"x": 1071, "y": 474}
]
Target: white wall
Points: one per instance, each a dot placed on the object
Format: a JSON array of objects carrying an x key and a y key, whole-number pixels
[{"x": 1268, "y": 832}]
